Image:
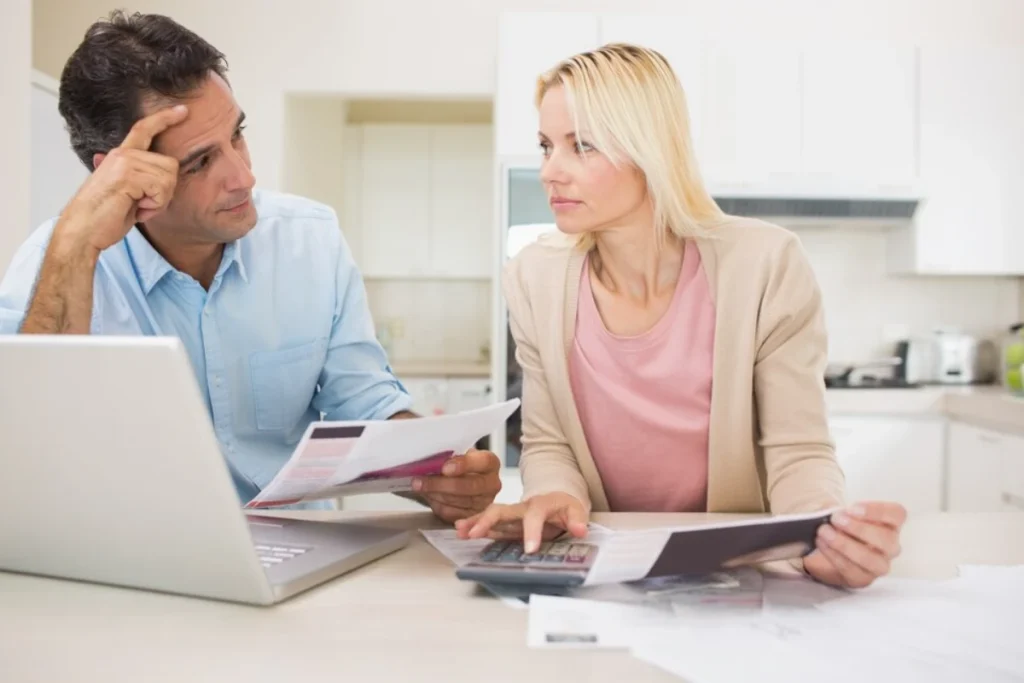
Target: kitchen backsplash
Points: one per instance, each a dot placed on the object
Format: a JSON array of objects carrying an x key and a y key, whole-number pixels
[
  {"x": 865, "y": 307},
  {"x": 432, "y": 320}
]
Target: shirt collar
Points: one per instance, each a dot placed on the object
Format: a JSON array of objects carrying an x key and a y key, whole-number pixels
[{"x": 151, "y": 267}]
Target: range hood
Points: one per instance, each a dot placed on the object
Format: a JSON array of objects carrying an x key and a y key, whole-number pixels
[{"x": 819, "y": 202}]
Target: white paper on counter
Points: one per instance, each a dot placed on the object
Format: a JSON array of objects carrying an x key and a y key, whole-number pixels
[{"x": 557, "y": 622}]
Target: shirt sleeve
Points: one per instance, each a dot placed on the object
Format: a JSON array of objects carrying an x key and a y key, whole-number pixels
[
  {"x": 357, "y": 382},
  {"x": 17, "y": 286}
]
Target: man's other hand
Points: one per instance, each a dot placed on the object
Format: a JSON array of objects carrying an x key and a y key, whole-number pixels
[{"x": 466, "y": 486}]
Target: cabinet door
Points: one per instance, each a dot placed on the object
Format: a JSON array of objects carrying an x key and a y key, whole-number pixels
[
  {"x": 468, "y": 393},
  {"x": 891, "y": 458},
  {"x": 462, "y": 219},
  {"x": 530, "y": 43},
  {"x": 679, "y": 42},
  {"x": 975, "y": 469},
  {"x": 396, "y": 200},
  {"x": 971, "y": 146},
  {"x": 751, "y": 120},
  {"x": 429, "y": 394},
  {"x": 860, "y": 112}
]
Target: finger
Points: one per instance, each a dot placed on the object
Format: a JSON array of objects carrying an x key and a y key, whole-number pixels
[
  {"x": 533, "y": 526},
  {"x": 493, "y": 515},
  {"x": 154, "y": 161},
  {"x": 576, "y": 520},
  {"x": 882, "y": 512},
  {"x": 467, "y": 485},
  {"x": 883, "y": 538},
  {"x": 473, "y": 504},
  {"x": 864, "y": 557},
  {"x": 142, "y": 133},
  {"x": 851, "y": 576},
  {"x": 472, "y": 462},
  {"x": 448, "y": 513}
]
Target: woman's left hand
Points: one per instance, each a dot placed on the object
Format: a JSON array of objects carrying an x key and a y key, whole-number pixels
[{"x": 858, "y": 546}]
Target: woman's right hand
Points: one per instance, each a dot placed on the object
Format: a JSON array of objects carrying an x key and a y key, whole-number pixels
[{"x": 539, "y": 518}]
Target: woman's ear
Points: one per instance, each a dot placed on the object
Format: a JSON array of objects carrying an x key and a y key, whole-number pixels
[{"x": 97, "y": 159}]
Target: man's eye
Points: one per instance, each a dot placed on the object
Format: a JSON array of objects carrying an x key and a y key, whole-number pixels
[{"x": 199, "y": 165}]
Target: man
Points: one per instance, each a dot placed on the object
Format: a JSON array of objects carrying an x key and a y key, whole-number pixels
[{"x": 168, "y": 237}]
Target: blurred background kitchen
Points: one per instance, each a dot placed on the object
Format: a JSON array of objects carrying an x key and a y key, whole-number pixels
[{"x": 887, "y": 133}]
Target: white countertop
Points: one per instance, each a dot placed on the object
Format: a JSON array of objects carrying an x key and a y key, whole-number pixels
[{"x": 990, "y": 406}]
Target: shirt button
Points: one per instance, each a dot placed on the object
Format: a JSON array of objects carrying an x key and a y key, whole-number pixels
[
  {"x": 217, "y": 380},
  {"x": 231, "y": 448},
  {"x": 206, "y": 313}
]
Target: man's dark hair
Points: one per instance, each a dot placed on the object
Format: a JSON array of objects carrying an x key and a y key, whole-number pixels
[{"x": 124, "y": 61}]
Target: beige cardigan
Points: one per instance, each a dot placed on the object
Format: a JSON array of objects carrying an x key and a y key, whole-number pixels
[{"x": 769, "y": 443}]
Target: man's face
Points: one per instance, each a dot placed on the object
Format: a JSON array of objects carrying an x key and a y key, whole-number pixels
[{"x": 212, "y": 203}]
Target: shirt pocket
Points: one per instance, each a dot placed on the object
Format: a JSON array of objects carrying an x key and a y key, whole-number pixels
[{"x": 283, "y": 383}]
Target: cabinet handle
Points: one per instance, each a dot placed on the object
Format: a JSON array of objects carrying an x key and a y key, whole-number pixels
[{"x": 1014, "y": 500}]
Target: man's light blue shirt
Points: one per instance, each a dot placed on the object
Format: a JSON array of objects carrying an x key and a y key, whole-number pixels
[{"x": 283, "y": 335}]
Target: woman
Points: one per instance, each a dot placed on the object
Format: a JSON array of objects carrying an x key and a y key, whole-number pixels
[{"x": 673, "y": 356}]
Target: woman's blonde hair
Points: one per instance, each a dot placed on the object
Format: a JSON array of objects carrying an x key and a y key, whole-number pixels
[{"x": 630, "y": 103}]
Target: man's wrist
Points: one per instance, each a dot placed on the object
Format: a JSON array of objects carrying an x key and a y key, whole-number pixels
[
  {"x": 404, "y": 415},
  {"x": 71, "y": 245}
]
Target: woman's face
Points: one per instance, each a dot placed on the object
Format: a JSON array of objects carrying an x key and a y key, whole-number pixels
[{"x": 586, "y": 191}]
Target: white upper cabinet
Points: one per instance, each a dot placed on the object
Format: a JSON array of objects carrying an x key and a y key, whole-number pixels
[
  {"x": 395, "y": 192},
  {"x": 860, "y": 112},
  {"x": 422, "y": 205},
  {"x": 461, "y": 201},
  {"x": 529, "y": 44},
  {"x": 679, "y": 43},
  {"x": 971, "y": 146},
  {"x": 751, "y": 112}
]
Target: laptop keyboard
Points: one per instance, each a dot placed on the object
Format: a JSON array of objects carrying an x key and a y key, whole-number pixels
[{"x": 271, "y": 555}]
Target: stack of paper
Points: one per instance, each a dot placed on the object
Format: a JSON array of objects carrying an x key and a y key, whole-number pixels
[{"x": 965, "y": 629}]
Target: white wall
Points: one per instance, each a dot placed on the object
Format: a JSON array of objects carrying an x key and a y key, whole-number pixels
[
  {"x": 448, "y": 47},
  {"x": 863, "y": 303},
  {"x": 15, "y": 84}
]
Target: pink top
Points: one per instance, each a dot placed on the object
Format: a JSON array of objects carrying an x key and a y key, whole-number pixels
[{"x": 645, "y": 401}]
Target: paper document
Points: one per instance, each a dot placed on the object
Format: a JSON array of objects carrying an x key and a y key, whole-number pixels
[
  {"x": 343, "y": 458},
  {"x": 573, "y": 623},
  {"x": 896, "y": 629},
  {"x": 704, "y": 548}
]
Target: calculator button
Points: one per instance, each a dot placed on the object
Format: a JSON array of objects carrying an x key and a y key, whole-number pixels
[
  {"x": 491, "y": 552},
  {"x": 578, "y": 553},
  {"x": 511, "y": 553}
]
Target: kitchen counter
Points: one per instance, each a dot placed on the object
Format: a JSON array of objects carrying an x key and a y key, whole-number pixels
[
  {"x": 441, "y": 368},
  {"x": 989, "y": 406}
]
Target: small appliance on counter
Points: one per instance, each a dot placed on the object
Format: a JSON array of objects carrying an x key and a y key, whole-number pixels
[
  {"x": 947, "y": 356},
  {"x": 864, "y": 375}
]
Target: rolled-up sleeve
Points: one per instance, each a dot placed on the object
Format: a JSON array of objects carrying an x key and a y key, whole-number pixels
[
  {"x": 17, "y": 286},
  {"x": 356, "y": 382}
]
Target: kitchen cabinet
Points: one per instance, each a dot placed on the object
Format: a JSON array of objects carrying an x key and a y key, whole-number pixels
[
  {"x": 971, "y": 146},
  {"x": 682, "y": 46},
  {"x": 395, "y": 196},
  {"x": 859, "y": 111},
  {"x": 461, "y": 210},
  {"x": 986, "y": 470},
  {"x": 751, "y": 111},
  {"x": 529, "y": 44},
  {"x": 428, "y": 189},
  {"x": 441, "y": 395},
  {"x": 894, "y": 458}
]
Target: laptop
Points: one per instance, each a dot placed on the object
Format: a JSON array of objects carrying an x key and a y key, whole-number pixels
[{"x": 110, "y": 472}]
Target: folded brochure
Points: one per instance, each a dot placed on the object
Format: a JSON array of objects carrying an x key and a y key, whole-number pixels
[{"x": 339, "y": 458}]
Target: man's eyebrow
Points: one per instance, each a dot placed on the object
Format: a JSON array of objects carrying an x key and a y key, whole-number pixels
[{"x": 206, "y": 149}]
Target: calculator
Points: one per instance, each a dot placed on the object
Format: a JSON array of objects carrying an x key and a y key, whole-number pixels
[{"x": 559, "y": 562}]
